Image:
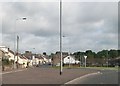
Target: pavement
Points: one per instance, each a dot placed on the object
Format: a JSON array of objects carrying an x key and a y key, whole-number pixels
[
  {"x": 39, "y": 75},
  {"x": 12, "y": 71}
]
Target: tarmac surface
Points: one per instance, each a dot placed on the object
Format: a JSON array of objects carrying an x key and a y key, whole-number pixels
[
  {"x": 38, "y": 75},
  {"x": 102, "y": 77}
]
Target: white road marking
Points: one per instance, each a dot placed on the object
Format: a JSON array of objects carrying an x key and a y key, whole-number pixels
[{"x": 73, "y": 81}]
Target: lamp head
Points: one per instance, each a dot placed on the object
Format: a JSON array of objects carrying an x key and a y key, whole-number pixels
[{"x": 85, "y": 57}]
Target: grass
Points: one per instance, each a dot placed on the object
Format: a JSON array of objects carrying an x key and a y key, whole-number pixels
[
  {"x": 100, "y": 68},
  {"x": 106, "y": 68}
]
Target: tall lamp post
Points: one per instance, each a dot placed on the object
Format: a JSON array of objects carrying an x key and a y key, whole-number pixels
[
  {"x": 17, "y": 42},
  {"x": 85, "y": 60},
  {"x": 17, "y": 49},
  {"x": 61, "y": 69},
  {"x": 107, "y": 58}
]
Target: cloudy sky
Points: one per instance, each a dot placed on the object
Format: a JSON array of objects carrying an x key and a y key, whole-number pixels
[{"x": 85, "y": 25}]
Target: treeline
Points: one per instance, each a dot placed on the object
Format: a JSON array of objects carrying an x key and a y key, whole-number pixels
[{"x": 101, "y": 54}]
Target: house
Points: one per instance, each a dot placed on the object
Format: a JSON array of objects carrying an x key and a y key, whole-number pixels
[
  {"x": 23, "y": 61},
  {"x": 9, "y": 54},
  {"x": 69, "y": 60},
  {"x": 38, "y": 59},
  {"x": 2, "y": 54},
  {"x": 28, "y": 54}
]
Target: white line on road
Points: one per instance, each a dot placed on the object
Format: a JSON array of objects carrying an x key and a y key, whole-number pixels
[{"x": 74, "y": 80}]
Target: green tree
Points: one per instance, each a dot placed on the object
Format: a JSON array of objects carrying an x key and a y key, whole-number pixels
[
  {"x": 90, "y": 54},
  {"x": 102, "y": 54},
  {"x": 78, "y": 54},
  {"x": 113, "y": 53}
]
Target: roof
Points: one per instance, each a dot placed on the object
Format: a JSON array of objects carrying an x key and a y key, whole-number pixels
[
  {"x": 11, "y": 51},
  {"x": 63, "y": 53},
  {"x": 70, "y": 56}
]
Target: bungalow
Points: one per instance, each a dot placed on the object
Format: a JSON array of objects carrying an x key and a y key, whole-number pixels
[
  {"x": 65, "y": 57},
  {"x": 69, "y": 60}
]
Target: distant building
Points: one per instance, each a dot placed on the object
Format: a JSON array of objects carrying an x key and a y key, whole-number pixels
[
  {"x": 56, "y": 58},
  {"x": 28, "y": 54},
  {"x": 6, "y": 53},
  {"x": 69, "y": 60}
]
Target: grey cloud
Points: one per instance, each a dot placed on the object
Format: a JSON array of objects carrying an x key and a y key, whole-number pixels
[{"x": 86, "y": 25}]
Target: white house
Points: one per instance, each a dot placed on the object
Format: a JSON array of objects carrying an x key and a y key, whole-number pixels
[
  {"x": 35, "y": 61},
  {"x": 4, "y": 48},
  {"x": 69, "y": 60},
  {"x": 10, "y": 54}
]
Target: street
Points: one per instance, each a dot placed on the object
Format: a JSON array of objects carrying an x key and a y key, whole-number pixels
[
  {"x": 48, "y": 75},
  {"x": 103, "y": 77},
  {"x": 39, "y": 75}
]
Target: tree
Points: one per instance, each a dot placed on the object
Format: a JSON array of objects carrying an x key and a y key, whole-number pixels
[
  {"x": 90, "y": 54},
  {"x": 113, "y": 53},
  {"x": 102, "y": 54},
  {"x": 78, "y": 54},
  {"x": 44, "y": 53},
  {"x": 118, "y": 52}
]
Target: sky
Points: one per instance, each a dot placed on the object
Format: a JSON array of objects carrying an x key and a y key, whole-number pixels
[{"x": 85, "y": 26}]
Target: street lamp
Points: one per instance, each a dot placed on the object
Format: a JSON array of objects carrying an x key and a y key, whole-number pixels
[
  {"x": 61, "y": 38},
  {"x": 80, "y": 61},
  {"x": 17, "y": 41},
  {"x": 85, "y": 60}
]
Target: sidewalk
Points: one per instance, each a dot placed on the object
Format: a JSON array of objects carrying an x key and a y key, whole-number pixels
[{"x": 13, "y": 70}]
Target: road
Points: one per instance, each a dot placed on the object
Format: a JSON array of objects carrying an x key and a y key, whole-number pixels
[
  {"x": 39, "y": 75},
  {"x": 103, "y": 77},
  {"x": 47, "y": 75}
]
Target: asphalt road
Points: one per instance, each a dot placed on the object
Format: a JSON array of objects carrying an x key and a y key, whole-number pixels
[
  {"x": 103, "y": 77},
  {"x": 39, "y": 75}
]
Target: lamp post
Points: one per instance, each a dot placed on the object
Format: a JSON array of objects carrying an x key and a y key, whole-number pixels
[
  {"x": 107, "y": 58},
  {"x": 80, "y": 61},
  {"x": 85, "y": 60},
  {"x": 17, "y": 49},
  {"x": 17, "y": 42},
  {"x": 61, "y": 69}
]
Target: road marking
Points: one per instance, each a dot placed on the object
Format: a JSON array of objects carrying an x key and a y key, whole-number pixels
[
  {"x": 76, "y": 79},
  {"x": 12, "y": 71}
]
